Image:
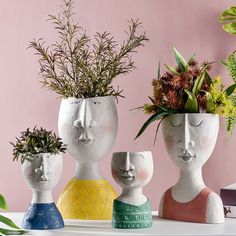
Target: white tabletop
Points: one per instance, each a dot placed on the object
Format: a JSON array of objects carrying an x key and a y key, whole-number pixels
[{"x": 160, "y": 227}]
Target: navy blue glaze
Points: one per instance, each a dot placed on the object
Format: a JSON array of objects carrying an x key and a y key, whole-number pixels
[{"x": 42, "y": 216}]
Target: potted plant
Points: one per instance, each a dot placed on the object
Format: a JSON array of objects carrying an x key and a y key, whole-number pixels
[
  {"x": 40, "y": 153},
  {"x": 81, "y": 70},
  {"x": 189, "y": 103}
]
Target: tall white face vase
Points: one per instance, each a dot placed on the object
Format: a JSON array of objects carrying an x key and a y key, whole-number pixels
[
  {"x": 132, "y": 171},
  {"x": 190, "y": 139},
  {"x": 42, "y": 173},
  {"x": 89, "y": 128}
]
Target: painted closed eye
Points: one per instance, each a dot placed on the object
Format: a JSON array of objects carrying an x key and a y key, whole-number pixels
[
  {"x": 77, "y": 102},
  {"x": 197, "y": 124},
  {"x": 175, "y": 124},
  {"x": 94, "y": 102}
]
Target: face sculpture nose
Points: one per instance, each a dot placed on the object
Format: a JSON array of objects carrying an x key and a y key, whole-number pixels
[
  {"x": 41, "y": 171},
  {"x": 84, "y": 119},
  {"x": 126, "y": 165}
]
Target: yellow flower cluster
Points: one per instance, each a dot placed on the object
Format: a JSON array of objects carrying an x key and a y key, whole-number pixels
[{"x": 222, "y": 104}]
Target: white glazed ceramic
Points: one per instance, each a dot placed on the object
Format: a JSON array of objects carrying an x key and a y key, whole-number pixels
[
  {"x": 190, "y": 140},
  {"x": 132, "y": 171},
  {"x": 89, "y": 128},
  {"x": 42, "y": 173}
]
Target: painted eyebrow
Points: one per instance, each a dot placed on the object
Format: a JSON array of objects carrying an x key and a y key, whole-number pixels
[
  {"x": 140, "y": 155},
  {"x": 197, "y": 123}
]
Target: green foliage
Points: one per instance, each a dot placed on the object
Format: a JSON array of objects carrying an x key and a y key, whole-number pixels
[
  {"x": 16, "y": 230},
  {"x": 228, "y": 17},
  {"x": 36, "y": 141},
  {"x": 182, "y": 63},
  {"x": 230, "y": 64},
  {"x": 191, "y": 104},
  {"x": 77, "y": 66},
  {"x": 3, "y": 203}
]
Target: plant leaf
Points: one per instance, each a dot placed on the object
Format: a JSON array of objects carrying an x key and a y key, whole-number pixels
[
  {"x": 8, "y": 222},
  {"x": 153, "y": 118},
  {"x": 198, "y": 83},
  {"x": 230, "y": 28},
  {"x": 191, "y": 58},
  {"x": 171, "y": 69},
  {"x": 210, "y": 103},
  {"x": 228, "y": 14},
  {"x": 230, "y": 89},
  {"x": 11, "y": 231},
  {"x": 191, "y": 105},
  {"x": 159, "y": 70},
  {"x": 182, "y": 63},
  {"x": 3, "y": 203}
]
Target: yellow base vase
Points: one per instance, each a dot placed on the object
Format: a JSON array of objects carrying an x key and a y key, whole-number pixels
[{"x": 87, "y": 200}]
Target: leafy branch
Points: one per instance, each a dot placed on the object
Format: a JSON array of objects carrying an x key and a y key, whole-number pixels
[{"x": 75, "y": 66}]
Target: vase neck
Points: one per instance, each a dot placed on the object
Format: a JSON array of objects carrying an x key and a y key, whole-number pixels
[
  {"x": 133, "y": 196},
  {"x": 189, "y": 185},
  {"x": 88, "y": 170},
  {"x": 42, "y": 197}
]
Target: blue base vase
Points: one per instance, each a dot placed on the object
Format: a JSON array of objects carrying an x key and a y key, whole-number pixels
[{"x": 42, "y": 216}]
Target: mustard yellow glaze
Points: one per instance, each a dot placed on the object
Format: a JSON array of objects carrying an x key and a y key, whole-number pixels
[{"x": 87, "y": 199}]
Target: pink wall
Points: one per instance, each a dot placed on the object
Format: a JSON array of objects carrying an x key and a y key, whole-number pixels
[{"x": 189, "y": 25}]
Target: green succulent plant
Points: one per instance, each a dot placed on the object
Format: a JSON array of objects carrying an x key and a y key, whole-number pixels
[
  {"x": 189, "y": 88},
  {"x": 35, "y": 142},
  {"x": 77, "y": 66},
  {"x": 15, "y": 229}
]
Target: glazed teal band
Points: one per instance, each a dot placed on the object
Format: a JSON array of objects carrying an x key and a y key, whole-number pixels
[{"x": 128, "y": 216}]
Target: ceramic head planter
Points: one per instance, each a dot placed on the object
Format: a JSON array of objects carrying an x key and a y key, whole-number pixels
[
  {"x": 190, "y": 139},
  {"x": 132, "y": 171},
  {"x": 89, "y": 128},
  {"x": 188, "y": 102},
  {"x": 42, "y": 171}
]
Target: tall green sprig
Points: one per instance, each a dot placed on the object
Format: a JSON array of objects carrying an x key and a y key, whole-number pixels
[{"x": 76, "y": 66}]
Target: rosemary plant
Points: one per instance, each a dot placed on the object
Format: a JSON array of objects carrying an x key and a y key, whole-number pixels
[{"x": 75, "y": 66}]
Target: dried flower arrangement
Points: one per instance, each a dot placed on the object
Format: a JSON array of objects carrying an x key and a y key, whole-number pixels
[
  {"x": 35, "y": 142},
  {"x": 76, "y": 67},
  {"x": 188, "y": 88}
]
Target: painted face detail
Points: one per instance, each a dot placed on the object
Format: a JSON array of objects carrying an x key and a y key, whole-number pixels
[
  {"x": 132, "y": 169},
  {"x": 43, "y": 171},
  {"x": 88, "y": 126},
  {"x": 190, "y": 138}
]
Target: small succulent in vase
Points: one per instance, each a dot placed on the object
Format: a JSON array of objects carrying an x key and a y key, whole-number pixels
[{"x": 40, "y": 153}]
